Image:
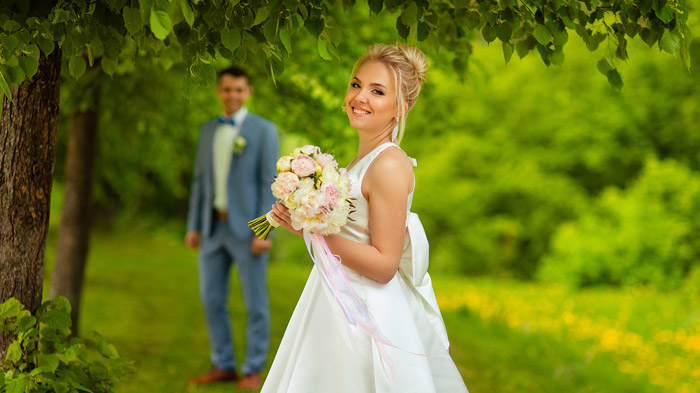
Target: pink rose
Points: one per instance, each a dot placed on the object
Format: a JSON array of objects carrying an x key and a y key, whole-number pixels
[
  {"x": 303, "y": 165},
  {"x": 332, "y": 195},
  {"x": 326, "y": 160},
  {"x": 285, "y": 184}
]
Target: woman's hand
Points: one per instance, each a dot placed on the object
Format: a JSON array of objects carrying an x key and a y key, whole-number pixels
[{"x": 281, "y": 214}]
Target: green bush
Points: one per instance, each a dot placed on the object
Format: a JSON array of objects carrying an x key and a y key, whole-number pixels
[
  {"x": 646, "y": 234},
  {"x": 44, "y": 358}
]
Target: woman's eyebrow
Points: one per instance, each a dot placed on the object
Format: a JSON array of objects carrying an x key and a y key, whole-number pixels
[{"x": 375, "y": 84}]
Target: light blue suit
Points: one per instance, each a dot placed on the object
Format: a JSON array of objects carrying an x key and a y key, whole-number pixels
[{"x": 228, "y": 241}]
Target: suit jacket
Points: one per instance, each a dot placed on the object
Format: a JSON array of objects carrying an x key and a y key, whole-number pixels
[{"x": 248, "y": 184}]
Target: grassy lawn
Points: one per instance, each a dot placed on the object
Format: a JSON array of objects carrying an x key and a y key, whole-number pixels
[{"x": 141, "y": 293}]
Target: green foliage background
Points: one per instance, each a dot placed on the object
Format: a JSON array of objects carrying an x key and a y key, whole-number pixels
[{"x": 520, "y": 166}]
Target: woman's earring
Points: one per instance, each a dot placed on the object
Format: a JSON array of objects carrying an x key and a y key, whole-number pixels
[{"x": 395, "y": 133}]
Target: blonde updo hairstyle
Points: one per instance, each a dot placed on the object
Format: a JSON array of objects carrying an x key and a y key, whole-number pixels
[{"x": 408, "y": 65}]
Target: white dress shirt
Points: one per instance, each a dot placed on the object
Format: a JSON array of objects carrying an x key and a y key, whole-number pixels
[{"x": 223, "y": 152}]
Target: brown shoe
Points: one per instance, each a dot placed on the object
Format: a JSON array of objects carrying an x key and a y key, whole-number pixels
[
  {"x": 215, "y": 375},
  {"x": 251, "y": 381}
]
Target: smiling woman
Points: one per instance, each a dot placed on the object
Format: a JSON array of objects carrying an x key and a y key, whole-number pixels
[{"x": 400, "y": 343}]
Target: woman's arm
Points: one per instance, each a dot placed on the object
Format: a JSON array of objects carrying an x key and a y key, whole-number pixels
[{"x": 386, "y": 186}]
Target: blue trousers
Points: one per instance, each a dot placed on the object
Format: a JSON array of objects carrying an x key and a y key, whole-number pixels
[{"x": 218, "y": 253}]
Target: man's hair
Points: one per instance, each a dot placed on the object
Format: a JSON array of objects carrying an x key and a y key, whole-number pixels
[{"x": 234, "y": 72}]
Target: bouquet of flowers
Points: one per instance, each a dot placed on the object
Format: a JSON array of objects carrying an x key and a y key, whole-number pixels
[
  {"x": 315, "y": 191},
  {"x": 313, "y": 188}
]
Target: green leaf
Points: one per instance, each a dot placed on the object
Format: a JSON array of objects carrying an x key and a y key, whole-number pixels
[
  {"x": 286, "y": 41},
  {"x": 109, "y": 66},
  {"x": 15, "y": 73},
  {"x": 9, "y": 43},
  {"x": 18, "y": 385},
  {"x": 410, "y": 14},
  {"x": 160, "y": 24},
  {"x": 108, "y": 350},
  {"x": 231, "y": 39},
  {"x": 666, "y": 14},
  {"x": 323, "y": 49},
  {"x": 260, "y": 15},
  {"x": 70, "y": 354},
  {"x": 132, "y": 20},
  {"x": 507, "y": 51},
  {"x": 60, "y": 319},
  {"x": 48, "y": 362},
  {"x": 47, "y": 45},
  {"x": 402, "y": 29},
  {"x": 670, "y": 42},
  {"x": 542, "y": 34},
  {"x": 522, "y": 48},
  {"x": 14, "y": 352},
  {"x": 487, "y": 33},
  {"x": 187, "y": 12},
  {"x": 604, "y": 66},
  {"x": 614, "y": 79},
  {"x": 206, "y": 75},
  {"x": 10, "y": 308},
  {"x": 504, "y": 31},
  {"x": 270, "y": 29},
  {"x": 376, "y": 6},
  {"x": 5, "y": 87},
  {"x": 28, "y": 321}
]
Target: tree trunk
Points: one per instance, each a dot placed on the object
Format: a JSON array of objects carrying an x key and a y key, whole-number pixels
[
  {"x": 28, "y": 147},
  {"x": 74, "y": 227}
]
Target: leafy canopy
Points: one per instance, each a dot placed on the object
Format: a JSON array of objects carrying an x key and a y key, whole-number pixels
[{"x": 196, "y": 31}]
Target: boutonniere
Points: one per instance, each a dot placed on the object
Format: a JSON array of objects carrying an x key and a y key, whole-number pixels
[{"x": 239, "y": 143}]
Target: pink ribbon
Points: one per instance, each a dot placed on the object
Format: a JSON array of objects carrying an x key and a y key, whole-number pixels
[{"x": 355, "y": 311}]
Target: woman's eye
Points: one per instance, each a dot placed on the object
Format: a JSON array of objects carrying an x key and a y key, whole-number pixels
[
  {"x": 378, "y": 92},
  {"x": 355, "y": 85}
]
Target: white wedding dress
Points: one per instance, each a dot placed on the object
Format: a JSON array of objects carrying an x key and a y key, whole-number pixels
[{"x": 322, "y": 353}]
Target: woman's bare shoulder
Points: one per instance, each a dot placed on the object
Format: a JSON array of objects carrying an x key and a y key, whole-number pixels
[{"x": 392, "y": 167}]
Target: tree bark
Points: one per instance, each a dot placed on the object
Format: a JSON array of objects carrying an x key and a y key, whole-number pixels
[
  {"x": 74, "y": 226},
  {"x": 27, "y": 154}
]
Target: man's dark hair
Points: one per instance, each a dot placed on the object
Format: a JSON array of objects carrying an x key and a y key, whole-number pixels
[{"x": 234, "y": 72}]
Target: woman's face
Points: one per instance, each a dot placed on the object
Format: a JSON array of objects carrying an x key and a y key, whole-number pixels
[{"x": 371, "y": 98}]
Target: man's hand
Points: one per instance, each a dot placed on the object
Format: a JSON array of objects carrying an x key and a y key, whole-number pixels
[
  {"x": 259, "y": 246},
  {"x": 193, "y": 239}
]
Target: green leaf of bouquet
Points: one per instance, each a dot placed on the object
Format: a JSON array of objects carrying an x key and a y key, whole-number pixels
[
  {"x": 109, "y": 66},
  {"x": 160, "y": 24}
]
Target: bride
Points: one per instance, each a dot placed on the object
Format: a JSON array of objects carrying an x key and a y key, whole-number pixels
[{"x": 384, "y": 252}]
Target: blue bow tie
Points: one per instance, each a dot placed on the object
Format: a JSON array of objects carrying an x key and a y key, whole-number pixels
[{"x": 224, "y": 120}]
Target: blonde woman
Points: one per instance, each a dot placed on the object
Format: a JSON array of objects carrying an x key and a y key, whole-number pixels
[{"x": 384, "y": 253}]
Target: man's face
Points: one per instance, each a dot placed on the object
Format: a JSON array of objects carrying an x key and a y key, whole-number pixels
[{"x": 233, "y": 92}]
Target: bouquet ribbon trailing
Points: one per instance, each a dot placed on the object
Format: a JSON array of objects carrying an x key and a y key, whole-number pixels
[{"x": 355, "y": 311}]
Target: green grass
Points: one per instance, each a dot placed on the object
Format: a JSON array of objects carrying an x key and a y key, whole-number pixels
[{"x": 141, "y": 293}]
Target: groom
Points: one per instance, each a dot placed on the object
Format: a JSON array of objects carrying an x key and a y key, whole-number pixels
[{"x": 234, "y": 168}]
